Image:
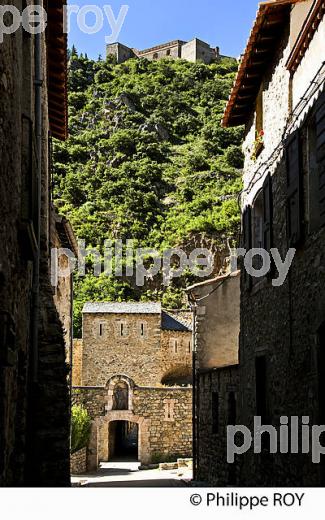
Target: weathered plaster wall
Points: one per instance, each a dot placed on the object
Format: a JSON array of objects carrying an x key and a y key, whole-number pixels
[
  {"x": 217, "y": 327},
  {"x": 309, "y": 65}
]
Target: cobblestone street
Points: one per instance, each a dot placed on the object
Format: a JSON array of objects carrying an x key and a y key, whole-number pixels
[{"x": 127, "y": 474}]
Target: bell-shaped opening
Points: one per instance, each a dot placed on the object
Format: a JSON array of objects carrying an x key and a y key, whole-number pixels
[{"x": 178, "y": 376}]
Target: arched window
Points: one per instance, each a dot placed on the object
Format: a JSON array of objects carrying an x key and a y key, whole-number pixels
[
  {"x": 168, "y": 52},
  {"x": 155, "y": 56}
]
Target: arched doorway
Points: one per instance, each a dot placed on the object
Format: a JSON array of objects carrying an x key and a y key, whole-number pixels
[
  {"x": 123, "y": 438},
  {"x": 100, "y": 444}
]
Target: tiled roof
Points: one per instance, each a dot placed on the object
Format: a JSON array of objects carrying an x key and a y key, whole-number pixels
[
  {"x": 57, "y": 69},
  {"x": 122, "y": 308},
  {"x": 271, "y": 18},
  {"x": 169, "y": 322}
]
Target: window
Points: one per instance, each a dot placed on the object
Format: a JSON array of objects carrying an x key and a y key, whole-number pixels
[
  {"x": 316, "y": 166},
  {"x": 257, "y": 222},
  {"x": 259, "y": 125},
  {"x": 142, "y": 329},
  {"x": 100, "y": 329},
  {"x": 215, "y": 412},
  {"x": 155, "y": 56},
  {"x": 189, "y": 347},
  {"x": 174, "y": 345},
  {"x": 261, "y": 388},
  {"x": 294, "y": 190},
  {"x": 168, "y": 52},
  {"x": 232, "y": 409},
  {"x": 122, "y": 329},
  {"x": 169, "y": 410}
]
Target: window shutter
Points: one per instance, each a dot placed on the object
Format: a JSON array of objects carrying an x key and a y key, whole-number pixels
[
  {"x": 320, "y": 155},
  {"x": 268, "y": 214},
  {"x": 247, "y": 228},
  {"x": 247, "y": 240},
  {"x": 294, "y": 189}
]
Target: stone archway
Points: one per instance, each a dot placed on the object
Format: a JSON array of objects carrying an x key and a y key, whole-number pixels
[{"x": 99, "y": 442}]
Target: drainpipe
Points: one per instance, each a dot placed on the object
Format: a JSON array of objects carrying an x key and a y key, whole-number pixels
[
  {"x": 193, "y": 305},
  {"x": 71, "y": 336},
  {"x": 38, "y": 86}
]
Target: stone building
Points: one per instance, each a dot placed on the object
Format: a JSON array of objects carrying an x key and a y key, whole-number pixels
[
  {"x": 279, "y": 96},
  {"x": 133, "y": 373},
  {"x": 62, "y": 239},
  {"x": 216, "y": 306},
  {"x": 34, "y": 397},
  {"x": 194, "y": 50}
]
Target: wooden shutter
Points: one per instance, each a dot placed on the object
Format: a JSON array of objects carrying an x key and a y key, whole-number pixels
[
  {"x": 320, "y": 155},
  {"x": 267, "y": 214},
  {"x": 294, "y": 189},
  {"x": 247, "y": 240}
]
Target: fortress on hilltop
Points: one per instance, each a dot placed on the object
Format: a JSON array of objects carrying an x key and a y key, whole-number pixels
[{"x": 193, "y": 50}]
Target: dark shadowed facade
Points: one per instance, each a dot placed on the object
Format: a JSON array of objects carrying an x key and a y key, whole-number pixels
[
  {"x": 215, "y": 304},
  {"x": 282, "y": 347},
  {"x": 34, "y": 394}
]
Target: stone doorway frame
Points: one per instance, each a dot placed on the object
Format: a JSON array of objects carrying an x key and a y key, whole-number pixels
[
  {"x": 98, "y": 450},
  {"x": 110, "y": 385}
]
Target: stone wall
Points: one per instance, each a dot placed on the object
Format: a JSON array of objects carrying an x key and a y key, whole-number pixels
[
  {"x": 94, "y": 399},
  {"x": 281, "y": 344},
  {"x": 77, "y": 362},
  {"x": 164, "y": 417},
  {"x": 168, "y": 50},
  {"x": 62, "y": 291},
  {"x": 197, "y": 50},
  {"x": 276, "y": 93},
  {"x": 169, "y": 415},
  {"x": 217, "y": 407},
  {"x": 176, "y": 351},
  {"x": 111, "y": 353},
  {"x": 34, "y": 399},
  {"x": 143, "y": 354},
  {"x": 78, "y": 462},
  {"x": 194, "y": 50},
  {"x": 121, "y": 52}
]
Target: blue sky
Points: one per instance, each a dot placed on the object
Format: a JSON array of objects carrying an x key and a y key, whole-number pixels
[{"x": 225, "y": 23}]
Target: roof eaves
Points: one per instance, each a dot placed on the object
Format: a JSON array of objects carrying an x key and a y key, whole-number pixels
[
  {"x": 213, "y": 281},
  {"x": 230, "y": 117}
]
